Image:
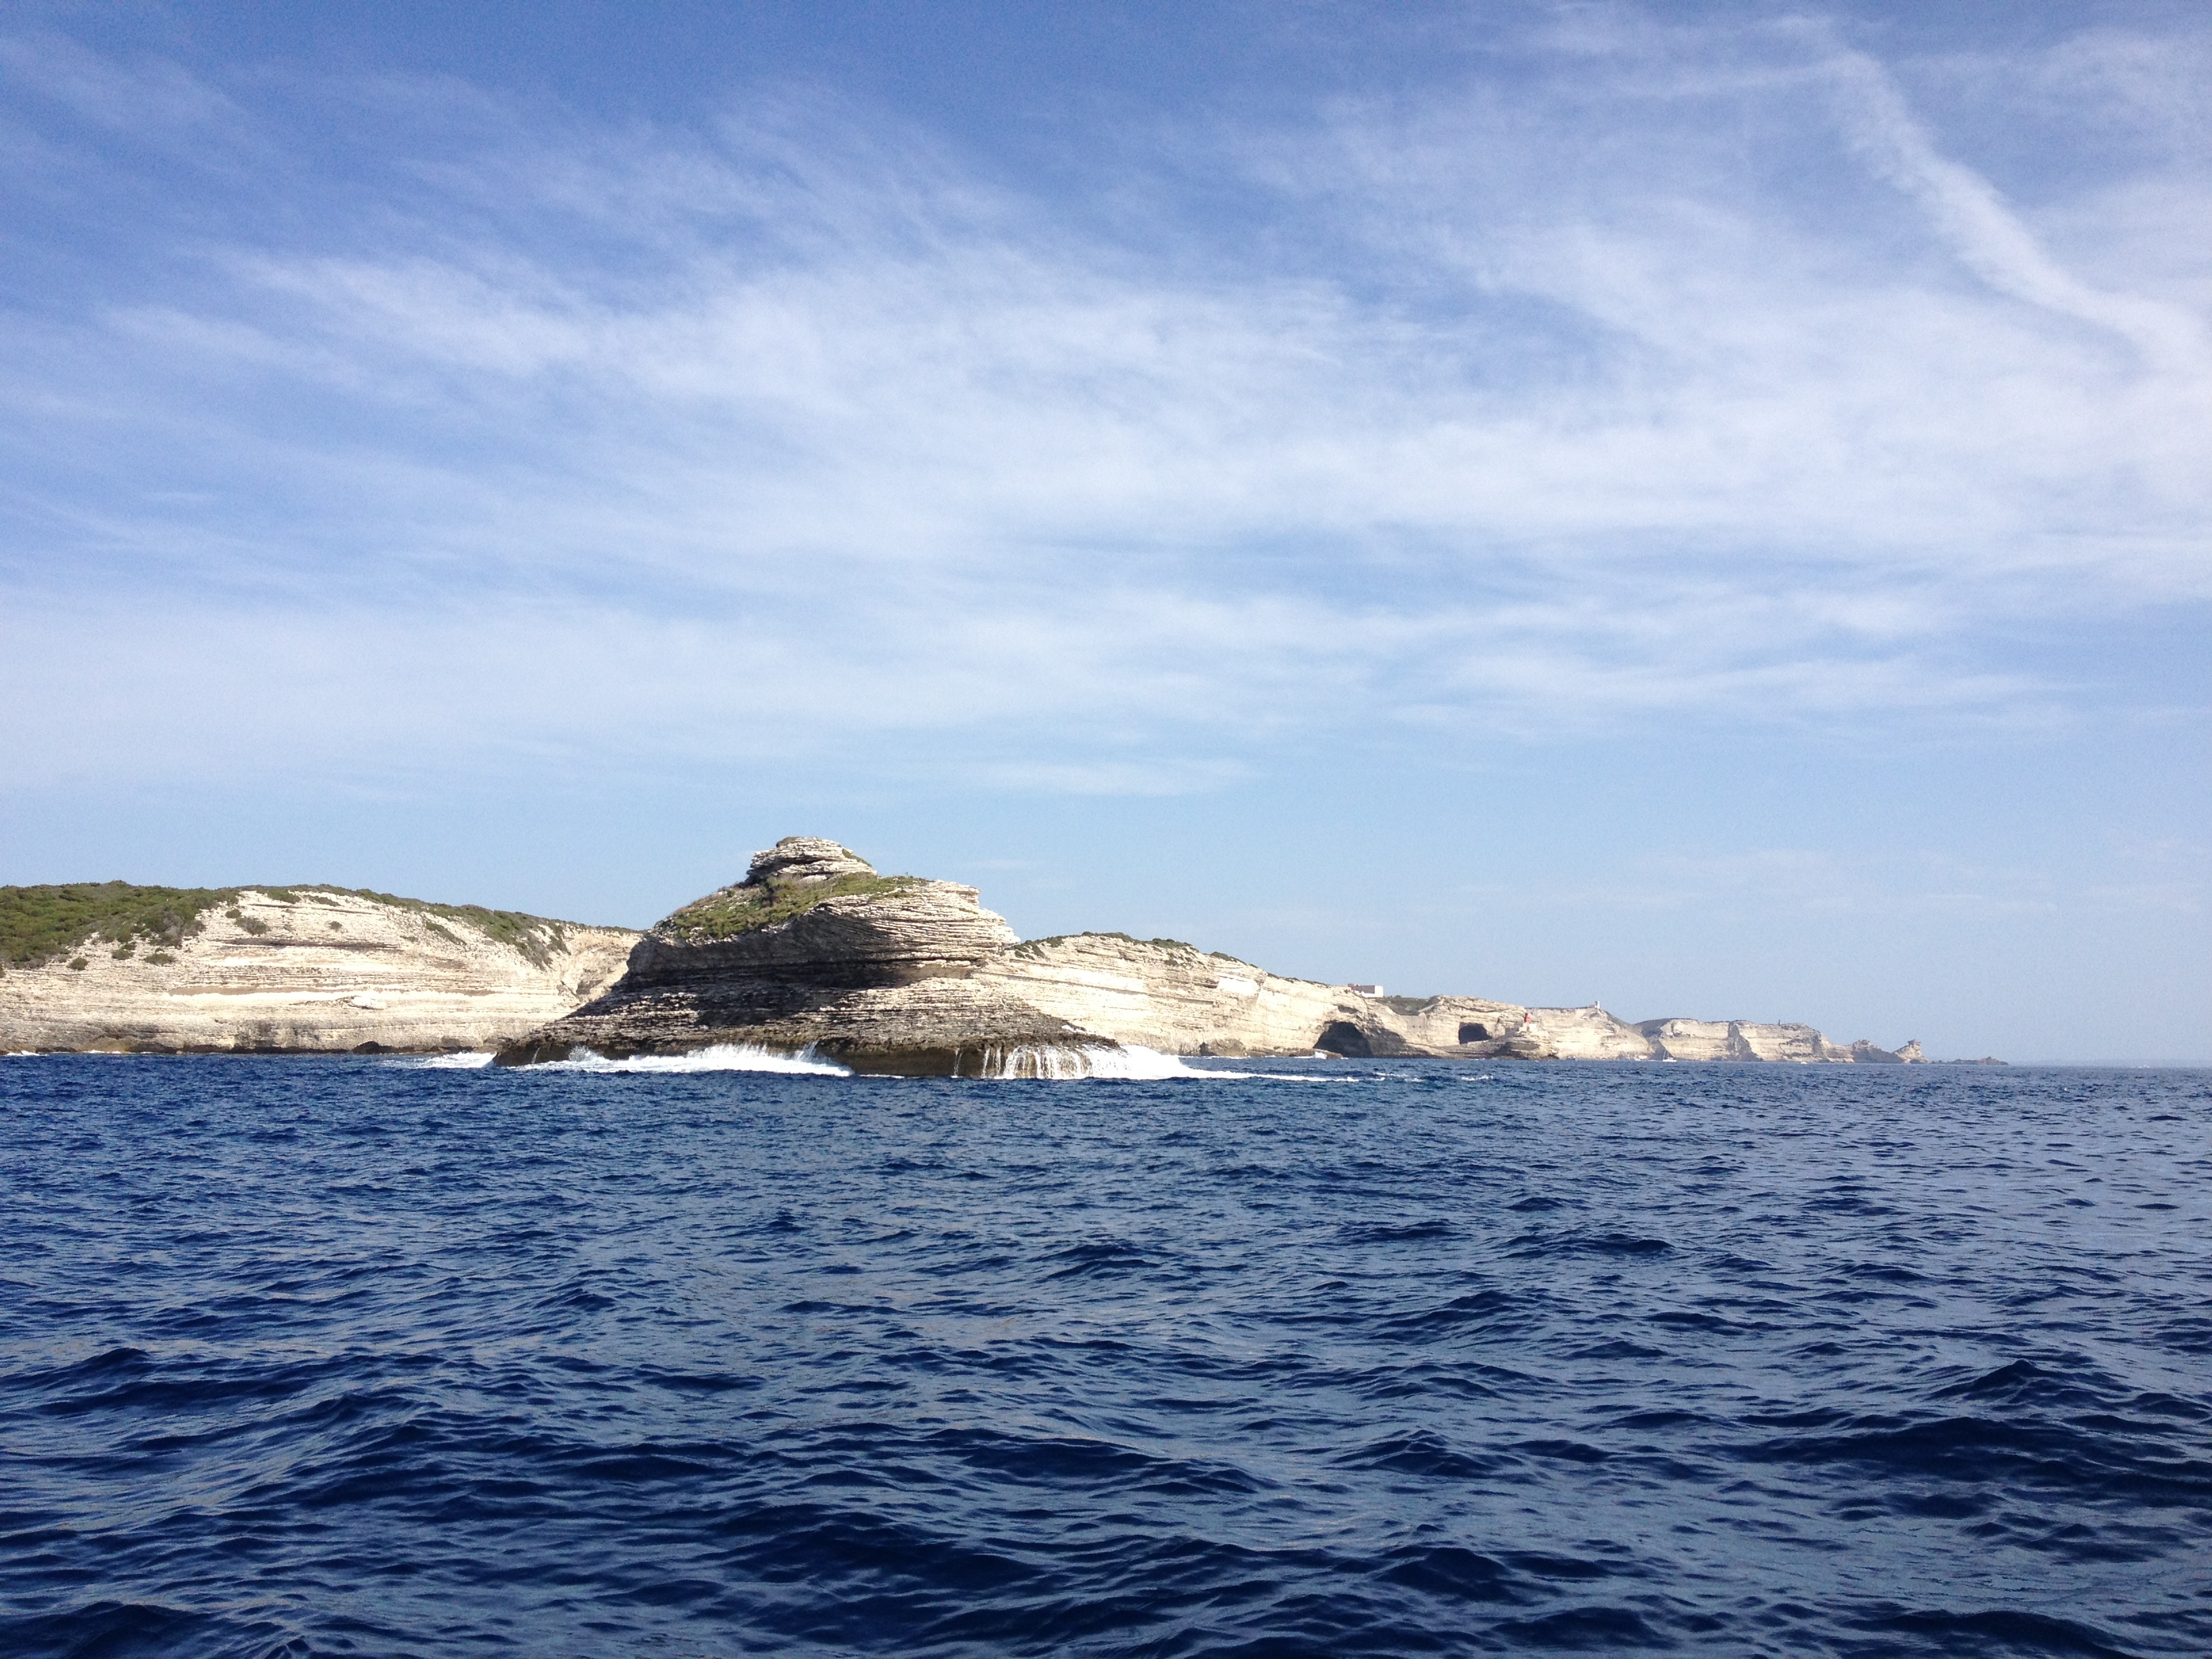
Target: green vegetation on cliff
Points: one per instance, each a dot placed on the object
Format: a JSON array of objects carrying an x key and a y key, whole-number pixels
[
  {"x": 39, "y": 924},
  {"x": 746, "y": 909},
  {"x": 536, "y": 937},
  {"x": 1037, "y": 946}
]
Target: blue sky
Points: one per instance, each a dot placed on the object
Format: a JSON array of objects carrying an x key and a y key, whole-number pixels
[{"x": 1703, "y": 507}]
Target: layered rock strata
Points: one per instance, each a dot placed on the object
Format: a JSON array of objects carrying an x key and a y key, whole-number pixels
[
  {"x": 308, "y": 970},
  {"x": 814, "y": 950},
  {"x": 1165, "y": 995}
]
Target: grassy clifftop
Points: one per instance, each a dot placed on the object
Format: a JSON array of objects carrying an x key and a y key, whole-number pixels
[
  {"x": 748, "y": 908},
  {"x": 40, "y": 925},
  {"x": 1038, "y": 946},
  {"x": 536, "y": 938}
]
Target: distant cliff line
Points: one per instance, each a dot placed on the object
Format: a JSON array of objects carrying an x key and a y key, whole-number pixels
[{"x": 813, "y": 949}]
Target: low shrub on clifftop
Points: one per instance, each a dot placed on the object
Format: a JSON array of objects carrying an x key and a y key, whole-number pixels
[
  {"x": 40, "y": 924},
  {"x": 1037, "y": 946},
  {"x": 534, "y": 938},
  {"x": 744, "y": 908}
]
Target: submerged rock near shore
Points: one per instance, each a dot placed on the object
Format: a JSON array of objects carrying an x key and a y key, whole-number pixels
[
  {"x": 109, "y": 968},
  {"x": 815, "y": 951}
]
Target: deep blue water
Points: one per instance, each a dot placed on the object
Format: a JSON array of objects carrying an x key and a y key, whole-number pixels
[{"x": 340, "y": 1356}]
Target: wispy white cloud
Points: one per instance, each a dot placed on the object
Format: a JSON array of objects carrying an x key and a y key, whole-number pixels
[
  {"x": 149, "y": 97},
  {"x": 1988, "y": 235},
  {"x": 733, "y": 444}
]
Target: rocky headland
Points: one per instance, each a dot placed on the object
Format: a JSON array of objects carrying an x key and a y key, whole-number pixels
[
  {"x": 814, "y": 951},
  {"x": 110, "y": 968}
]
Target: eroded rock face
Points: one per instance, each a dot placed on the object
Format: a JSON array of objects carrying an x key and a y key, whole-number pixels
[
  {"x": 811, "y": 914},
  {"x": 1168, "y": 996},
  {"x": 321, "y": 972},
  {"x": 808, "y": 859},
  {"x": 1475, "y": 1028},
  {"x": 1740, "y": 1040},
  {"x": 814, "y": 949}
]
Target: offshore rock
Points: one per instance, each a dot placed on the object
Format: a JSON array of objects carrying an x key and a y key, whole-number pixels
[{"x": 309, "y": 970}]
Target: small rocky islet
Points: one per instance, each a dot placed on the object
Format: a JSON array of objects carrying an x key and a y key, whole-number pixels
[{"x": 814, "y": 951}]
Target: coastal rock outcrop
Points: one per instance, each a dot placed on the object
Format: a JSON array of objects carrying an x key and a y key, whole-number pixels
[
  {"x": 814, "y": 950},
  {"x": 114, "y": 968},
  {"x": 1475, "y": 1028}
]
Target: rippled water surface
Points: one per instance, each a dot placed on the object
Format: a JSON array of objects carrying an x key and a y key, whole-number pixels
[{"x": 345, "y": 1356}]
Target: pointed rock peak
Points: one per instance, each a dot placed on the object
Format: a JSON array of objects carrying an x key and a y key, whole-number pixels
[{"x": 805, "y": 857}]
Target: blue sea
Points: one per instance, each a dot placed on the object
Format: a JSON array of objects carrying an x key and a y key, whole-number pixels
[{"x": 355, "y": 1356}]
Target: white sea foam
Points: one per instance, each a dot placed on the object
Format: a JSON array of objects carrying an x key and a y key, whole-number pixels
[
  {"x": 722, "y": 1057},
  {"x": 1130, "y": 1062},
  {"x": 1133, "y": 1060},
  {"x": 1073, "y": 1062},
  {"x": 1052, "y": 1063}
]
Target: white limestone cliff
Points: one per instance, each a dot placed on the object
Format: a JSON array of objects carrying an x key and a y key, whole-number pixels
[
  {"x": 1170, "y": 996},
  {"x": 1167, "y": 996},
  {"x": 327, "y": 971}
]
